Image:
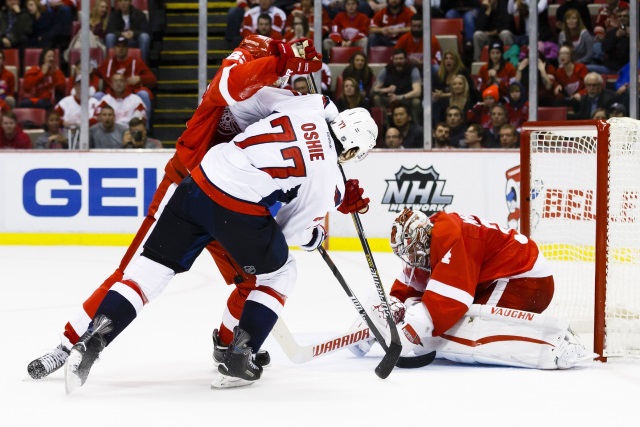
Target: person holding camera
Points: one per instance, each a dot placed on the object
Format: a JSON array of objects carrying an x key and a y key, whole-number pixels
[
  {"x": 106, "y": 133},
  {"x": 616, "y": 44},
  {"x": 136, "y": 136}
]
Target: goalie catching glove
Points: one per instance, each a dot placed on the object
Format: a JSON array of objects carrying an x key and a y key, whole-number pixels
[
  {"x": 353, "y": 201},
  {"x": 296, "y": 57}
]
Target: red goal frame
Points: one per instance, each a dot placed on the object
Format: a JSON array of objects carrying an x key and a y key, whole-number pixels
[{"x": 602, "y": 208}]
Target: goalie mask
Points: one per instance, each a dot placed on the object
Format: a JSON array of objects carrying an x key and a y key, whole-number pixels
[
  {"x": 411, "y": 237},
  {"x": 356, "y": 131}
]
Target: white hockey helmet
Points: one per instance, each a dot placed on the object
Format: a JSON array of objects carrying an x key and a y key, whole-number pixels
[
  {"x": 411, "y": 238},
  {"x": 356, "y": 130}
]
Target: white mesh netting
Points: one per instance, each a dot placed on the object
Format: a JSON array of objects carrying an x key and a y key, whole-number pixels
[{"x": 563, "y": 223}]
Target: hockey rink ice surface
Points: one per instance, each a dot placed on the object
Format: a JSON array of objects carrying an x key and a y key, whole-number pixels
[{"x": 158, "y": 372}]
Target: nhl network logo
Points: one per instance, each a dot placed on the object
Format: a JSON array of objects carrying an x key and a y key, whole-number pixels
[{"x": 418, "y": 189}]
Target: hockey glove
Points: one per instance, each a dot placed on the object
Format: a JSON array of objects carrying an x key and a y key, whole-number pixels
[
  {"x": 353, "y": 201},
  {"x": 318, "y": 236},
  {"x": 297, "y": 57}
]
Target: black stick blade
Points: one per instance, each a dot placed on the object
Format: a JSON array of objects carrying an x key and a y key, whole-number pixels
[
  {"x": 416, "y": 361},
  {"x": 389, "y": 360}
]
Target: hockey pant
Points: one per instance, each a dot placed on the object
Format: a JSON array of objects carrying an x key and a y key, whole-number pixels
[{"x": 230, "y": 270}]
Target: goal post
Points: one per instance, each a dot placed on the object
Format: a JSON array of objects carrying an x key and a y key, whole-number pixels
[{"x": 580, "y": 186}]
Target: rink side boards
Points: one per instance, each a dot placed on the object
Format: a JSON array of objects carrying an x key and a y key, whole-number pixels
[{"x": 100, "y": 197}]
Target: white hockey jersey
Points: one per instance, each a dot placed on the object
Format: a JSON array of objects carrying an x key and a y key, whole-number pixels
[
  {"x": 289, "y": 156},
  {"x": 125, "y": 108}
]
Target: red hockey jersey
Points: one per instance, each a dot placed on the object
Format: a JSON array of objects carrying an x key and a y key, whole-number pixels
[
  {"x": 467, "y": 255},
  {"x": 239, "y": 77}
]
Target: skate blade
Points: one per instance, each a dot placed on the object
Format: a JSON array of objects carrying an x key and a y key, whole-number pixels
[
  {"x": 71, "y": 378},
  {"x": 224, "y": 381}
]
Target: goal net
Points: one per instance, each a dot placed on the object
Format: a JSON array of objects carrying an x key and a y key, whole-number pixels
[{"x": 580, "y": 203}]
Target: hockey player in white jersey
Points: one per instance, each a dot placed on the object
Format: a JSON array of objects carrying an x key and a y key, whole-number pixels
[{"x": 292, "y": 157}]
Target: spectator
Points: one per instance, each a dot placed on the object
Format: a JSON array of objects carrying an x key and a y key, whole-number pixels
[
  {"x": 600, "y": 114},
  {"x": 63, "y": 11},
  {"x": 450, "y": 67},
  {"x": 399, "y": 81},
  {"x": 43, "y": 84},
  {"x": 300, "y": 84},
  {"x": 371, "y": 7},
  {"x": 517, "y": 104},
  {"x": 300, "y": 28},
  {"x": 7, "y": 83},
  {"x": 360, "y": 70},
  {"x": 388, "y": 24},
  {"x": 99, "y": 18},
  {"x": 617, "y": 110},
  {"x": 411, "y": 42},
  {"x": 493, "y": 22},
  {"x": 569, "y": 82},
  {"x": 441, "y": 136},
  {"x": 521, "y": 26},
  {"x": 139, "y": 78},
  {"x": 305, "y": 8},
  {"x": 106, "y": 133},
  {"x": 498, "y": 71},
  {"x": 481, "y": 112},
  {"x": 580, "y": 6},
  {"x": 130, "y": 23},
  {"x": 412, "y": 132},
  {"x": 460, "y": 97},
  {"x": 325, "y": 78},
  {"x": 250, "y": 21},
  {"x": 235, "y": 18},
  {"x": 125, "y": 104},
  {"x": 616, "y": 44},
  {"x": 623, "y": 81},
  {"x": 12, "y": 135},
  {"x": 455, "y": 121},
  {"x": 509, "y": 137},
  {"x": 605, "y": 21},
  {"x": 136, "y": 136},
  {"x": 15, "y": 25},
  {"x": 546, "y": 78},
  {"x": 265, "y": 27},
  {"x": 349, "y": 28},
  {"x": 499, "y": 118},
  {"x": 575, "y": 32},
  {"x": 42, "y": 25},
  {"x": 351, "y": 96},
  {"x": 53, "y": 137},
  {"x": 596, "y": 96},
  {"x": 69, "y": 109},
  {"x": 393, "y": 138},
  {"x": 473, "y": 137},
  {"x": 468, "y": 10}
]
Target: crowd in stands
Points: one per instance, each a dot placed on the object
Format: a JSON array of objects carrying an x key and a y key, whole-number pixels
[
  {"x": 480, "y": 83},
  {"x": 40, "y": 81}
]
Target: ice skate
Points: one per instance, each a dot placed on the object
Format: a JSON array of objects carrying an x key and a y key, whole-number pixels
[
  {"x": 570, "y": 352},
  {"x": 238, "y": 367},
  {"x": 84, "y": 354},
  {"x": 48, "y": 363},
  {"x": 261, "y": 358}
]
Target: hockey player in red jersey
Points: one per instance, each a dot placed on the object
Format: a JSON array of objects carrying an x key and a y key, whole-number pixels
[
  {"x": 257, "y": 62},
  {"x": 291, "y": 156},
  {"x": 474, "y": 291}
]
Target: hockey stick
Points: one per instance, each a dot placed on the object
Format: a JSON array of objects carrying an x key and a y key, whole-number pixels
[
  {"x": 405, "y": 362},
  {"x": 305, "y": 353}
]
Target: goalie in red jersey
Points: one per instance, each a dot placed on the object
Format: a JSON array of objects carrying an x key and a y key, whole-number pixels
[
  {"x": 474, "y": 292},
  {"x": 257, "y": 62}
]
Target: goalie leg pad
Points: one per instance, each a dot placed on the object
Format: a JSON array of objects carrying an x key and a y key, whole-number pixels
[{"x": 507, "y": 337}]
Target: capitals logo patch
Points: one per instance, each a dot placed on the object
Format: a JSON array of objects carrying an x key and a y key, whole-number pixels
[{"x": 418, "y": 189}]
